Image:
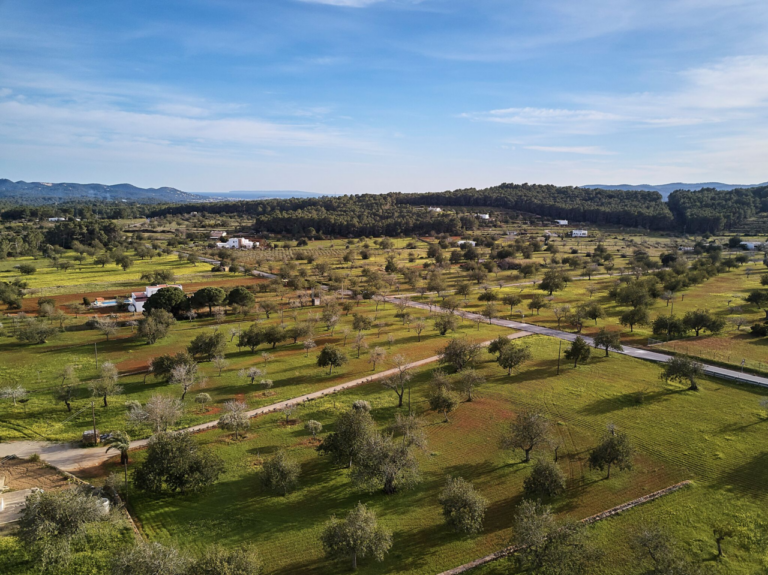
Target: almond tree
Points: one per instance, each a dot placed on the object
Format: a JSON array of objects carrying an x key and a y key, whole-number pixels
[{"x": 398, "y": 382}]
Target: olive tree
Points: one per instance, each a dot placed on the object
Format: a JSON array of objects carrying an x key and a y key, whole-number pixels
[
  {"x": 385, "y": 464},
  {"x": 546, "y": 480},
  {"x": 613, "y": 450},
  {"x": 547, "y": 545},
  {"x": 358, "y": 535},
  {"x": 280, "y": 473},
  {"x": 106, "y": 385},
  {"x": 607, "y": 340},
  {"x": 352, "y": 430},
  {"x": 463, "y": 508},
  {"x": 683, "y": 369},
  {"x": 579, "y": 351},
  {"x": 150, "y": 559},
  {"x": 460, "y": 353},
  {"x": 527, "y": 431}
]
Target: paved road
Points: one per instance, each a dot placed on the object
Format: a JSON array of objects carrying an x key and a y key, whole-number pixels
[
  {"x": 72, "y": 457},
  {"x": 630, "y": 351}
]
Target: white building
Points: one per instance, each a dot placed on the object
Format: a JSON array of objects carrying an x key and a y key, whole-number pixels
[
  {"x": 561, "y": 222},
  {"x": 139, "y": 298},
  {"x": 685, "y": 249},
  {"x": 751, "y": 246},
  {"x": 57, "y": 219},
  {"x": 483, "y": 216},
  {"x": 579, "y": 233},
  {"x": 431, "y": 209},
  {"x": 467, "y": 242},
  {"x": 237, "y": 244}
]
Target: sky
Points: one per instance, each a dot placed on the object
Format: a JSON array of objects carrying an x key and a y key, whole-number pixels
[{"x": 373, "y": 96}]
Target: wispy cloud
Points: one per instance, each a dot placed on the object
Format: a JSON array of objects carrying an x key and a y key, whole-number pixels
[
  {"x": 583, "y": 150},
  {"x": 344, "y": 3}
]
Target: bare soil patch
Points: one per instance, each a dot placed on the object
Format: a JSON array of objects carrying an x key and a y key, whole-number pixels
[{"x": 24, "y": 474}]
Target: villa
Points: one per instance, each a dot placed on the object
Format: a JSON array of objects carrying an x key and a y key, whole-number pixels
[
  {"x": 237, "y": 244},
  {"x": 139, "y": 298},
  {"x": 579, "y": 233}
]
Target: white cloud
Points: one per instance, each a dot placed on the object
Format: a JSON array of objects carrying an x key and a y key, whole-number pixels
[{"x": 173, "y": 127}]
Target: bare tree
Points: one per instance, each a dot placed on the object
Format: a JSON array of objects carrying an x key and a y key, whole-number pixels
[
  {"x": 106, "y": 325},
  {"x": 106, "y": 385},
  {"x": 309, "y": 344},
  {"x": 398, "y": 382},
  {"x": 235, "y": 417},
  {"x": 186, "y": 376},
  {"x": 377, "y": 355},
  {"x": 160, "y": 412},
  {"x": 360, "y": 343},
  {"x": 266, "y": 358},
  {"x": 15, "y": 392},
  {"x": 220, "y": 363},
  {"x": 251, "y": 373}
]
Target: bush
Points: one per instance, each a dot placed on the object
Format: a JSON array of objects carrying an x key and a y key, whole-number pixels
[
  {"x": 463, "y": 508},
  {"x": 280, "y": 473},
  {"x": 546, "y": 480}
]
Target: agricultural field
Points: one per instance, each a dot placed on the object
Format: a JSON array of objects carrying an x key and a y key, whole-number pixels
[
  {"x": 291, "y": 368},
  {"x": 713, "y": 437}
]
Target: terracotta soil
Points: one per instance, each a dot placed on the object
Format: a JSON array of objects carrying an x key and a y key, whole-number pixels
[{"x": 24, "y": 474}]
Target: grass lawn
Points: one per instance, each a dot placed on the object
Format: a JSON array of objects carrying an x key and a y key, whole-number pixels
[
  {"x": 714, "y": 437},
  {"x": 294, "y": 372}
]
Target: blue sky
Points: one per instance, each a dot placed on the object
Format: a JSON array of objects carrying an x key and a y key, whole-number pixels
[{"x": 353, "y": 96}]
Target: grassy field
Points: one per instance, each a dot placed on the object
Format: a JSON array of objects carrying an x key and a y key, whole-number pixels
[
  {"x": 714, "y": 437},
  {"x": 294, "y": 372}
]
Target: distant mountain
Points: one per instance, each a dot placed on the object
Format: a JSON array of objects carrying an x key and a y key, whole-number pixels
[
  {"x": 44, "y": 193},
  {"x": 666, "y": 189},
  {"x": 258, "y": 195}
]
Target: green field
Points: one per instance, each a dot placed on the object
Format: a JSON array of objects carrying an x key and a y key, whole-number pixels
[{"x": 713, "y": 437}]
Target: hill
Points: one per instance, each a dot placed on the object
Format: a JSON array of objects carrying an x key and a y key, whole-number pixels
[
  {"x": 44, "y": 193},
  {"x": 257, "y": 195},
  {"x": 666, "y": 189}
]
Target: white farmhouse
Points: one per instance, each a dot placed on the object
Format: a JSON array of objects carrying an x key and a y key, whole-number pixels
[
  {"x": 57, "y": 219},
  {"x": 466, "y": 242},
  {"x": 579, "y": 233},
  {"x": 561, "y": 222},
  {"x": 431, "y": 209},
  {"x": 139, "y": 298},
  {"x": 483, "y": 216},
  {"x": 237, "y": 244}
]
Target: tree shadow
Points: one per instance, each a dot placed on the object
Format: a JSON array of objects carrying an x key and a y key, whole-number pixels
[
  {"x": 750, "y": 478},
  {"x": 608, "y": 405}
]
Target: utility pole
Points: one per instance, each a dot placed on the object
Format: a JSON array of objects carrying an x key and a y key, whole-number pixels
[
  {"x": 93, "y": 415},
  {"x": 559, "y": 347}
]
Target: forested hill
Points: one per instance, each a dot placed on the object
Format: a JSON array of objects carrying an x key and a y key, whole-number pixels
[
  {"x": 40, "y": 193},
  {"x": 397, "y": 213},
  {"x": 711, "y": 210},
  {"x": 707, "y": 210},
  {"x": 638, "y": 209}
]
